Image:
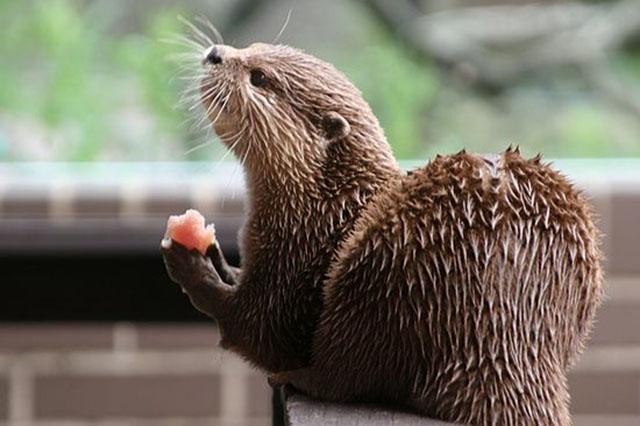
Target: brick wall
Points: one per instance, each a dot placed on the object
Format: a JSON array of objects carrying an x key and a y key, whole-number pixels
[
  {"x": 138, "y": 374},
  {"x": 172, "y": 374},
  {"x": 605, "y": 384}
]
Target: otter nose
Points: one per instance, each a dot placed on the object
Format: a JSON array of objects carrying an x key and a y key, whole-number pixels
[{"x": 213, "y": 56}]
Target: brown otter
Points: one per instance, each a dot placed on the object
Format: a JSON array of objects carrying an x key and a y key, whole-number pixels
[{"x": 464, "y": 289}]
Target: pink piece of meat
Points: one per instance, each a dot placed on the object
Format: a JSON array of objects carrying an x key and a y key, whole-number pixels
[{"x": 190, "y": 231}]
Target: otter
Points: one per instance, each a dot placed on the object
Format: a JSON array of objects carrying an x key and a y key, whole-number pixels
[{"x": 464, "y": 289}]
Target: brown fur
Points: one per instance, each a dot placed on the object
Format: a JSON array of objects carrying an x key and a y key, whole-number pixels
[{"x": 464, "y": 289}]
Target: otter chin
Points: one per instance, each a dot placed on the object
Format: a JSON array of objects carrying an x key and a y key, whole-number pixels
[{"x": 463, "y": 289}]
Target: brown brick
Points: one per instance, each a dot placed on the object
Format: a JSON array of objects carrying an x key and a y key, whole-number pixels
[
  {"x": 617, "y": 324},
  {"x": 625, "y": 234},
  {"x": 4, "y": 398},
  {"x": 20, "y": 337},
  {"x": 231, "y": 206},
  {"x": 604, "y": 393},
  {"x": 203, "y": 335},
  {"x": 29, "y": 205},
  {"x": 259, "y": 397},
  {"x": 130, "y": 396},
  {"x": 97, "y": 201},
  {"x": 168, "y": 200},
  {"x": 607, "y": 420}
]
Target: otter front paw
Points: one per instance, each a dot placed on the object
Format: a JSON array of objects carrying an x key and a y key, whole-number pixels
[
  {"x": 184, "y": 250},
  {"x": 185, "y": 267},
  {"x": 195, "y": 273},
  {"x": 184, "y": 246}
]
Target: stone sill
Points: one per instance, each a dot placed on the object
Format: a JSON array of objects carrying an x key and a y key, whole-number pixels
[{"x": 300, "y": 410}]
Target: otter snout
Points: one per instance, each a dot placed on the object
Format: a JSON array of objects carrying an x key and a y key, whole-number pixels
[
  {"x": 219, "y": 53},
  {"x": 212, "y": 56}
]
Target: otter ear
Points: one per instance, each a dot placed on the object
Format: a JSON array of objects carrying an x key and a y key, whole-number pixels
[{"x": 335, "y": 126}]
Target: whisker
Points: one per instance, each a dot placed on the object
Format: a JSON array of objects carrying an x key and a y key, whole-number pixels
[
  {"x": 216, "y": 34},
  {"x": 180, "y": 58},
  {"x": 192, "y": 77},
  {"x": 180, "y": 40},
  {"x": 192, "y": 93},
  {"x": 286, "y": 22},
  {"x": 205, "y": 96},
  {"x": 224, "y": 105},
  {"x": 190, "y": 68},
  {"x": 235, "y": 140},
  {"x": 244, "y": 159},
  {"x": 213, "y": 101},
  {"x": 212, "y": 104},
  {"x": 197, "y": 147},
  {"x": 207, "y": 113},
  {"x": 196, "y": 31}
]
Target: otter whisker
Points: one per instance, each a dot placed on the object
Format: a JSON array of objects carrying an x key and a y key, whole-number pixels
[
  {"x": 188, "y": 68},
  {"x": 235, "y": 169},
  {"x": 244, "y": 159},
  {"x": 195, "y": 86},
  {"x": 224, "y": 105},
  {"x": 193, "y": 95},
  {"x": 180, "y": 40},
  {"x": 286, "y": 22},
  {"x": 191, "y": 101},
  {"x": 196, "y": 31},
  {"x": 208, "y": 111},
  {"x": 236, "y": 139},
  {"x": 187, "y": 120},
  {"x": 194, "y": 102},
  {"x": 205, "y": 96},
  {"x": 185, "y": 55},
  {"x": 197, "y": 147},
  {"x": 192, "y": 58},
  {"x": 193, "y": 91},
  {"x": 184, "y": 75},
  {"x": 192, "y": 77},
  {"x": 212, "y": 102},
  {"x": 216, "y": 34}
]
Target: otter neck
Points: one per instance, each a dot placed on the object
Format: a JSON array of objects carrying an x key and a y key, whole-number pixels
[{"x": 357, "y": 158}]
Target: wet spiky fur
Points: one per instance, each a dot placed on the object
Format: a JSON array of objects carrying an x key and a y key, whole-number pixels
[{"x": 464, "y": 289}]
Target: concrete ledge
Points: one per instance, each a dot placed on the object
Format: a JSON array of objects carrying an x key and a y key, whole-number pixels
[{"x": 302, "y": 411}]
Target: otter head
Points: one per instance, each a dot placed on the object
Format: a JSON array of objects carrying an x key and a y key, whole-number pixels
[{"x": 274, "y": 103}]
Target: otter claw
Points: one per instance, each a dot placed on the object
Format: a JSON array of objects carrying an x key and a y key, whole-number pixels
[{"x": 166, "y": 243}]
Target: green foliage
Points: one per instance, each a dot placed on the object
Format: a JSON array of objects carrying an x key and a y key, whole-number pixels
[
  {"x": 76, "y": 77},
  {"x": 145, "y": 56},
  {"x": 51, "y": 48},
  {"x": 583, "y": 132},
  {"x": 398, "y": 89},
  {"x": 91, "y": 89}
]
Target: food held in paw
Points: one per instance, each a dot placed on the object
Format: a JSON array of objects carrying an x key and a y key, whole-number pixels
[{"x": 189, "y": 230}]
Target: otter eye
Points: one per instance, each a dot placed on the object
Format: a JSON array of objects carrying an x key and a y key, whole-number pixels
[{"x": 258, "y": 78}]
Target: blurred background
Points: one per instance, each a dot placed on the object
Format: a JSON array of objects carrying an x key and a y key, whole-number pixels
[{"x": 96, "y": 151}]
